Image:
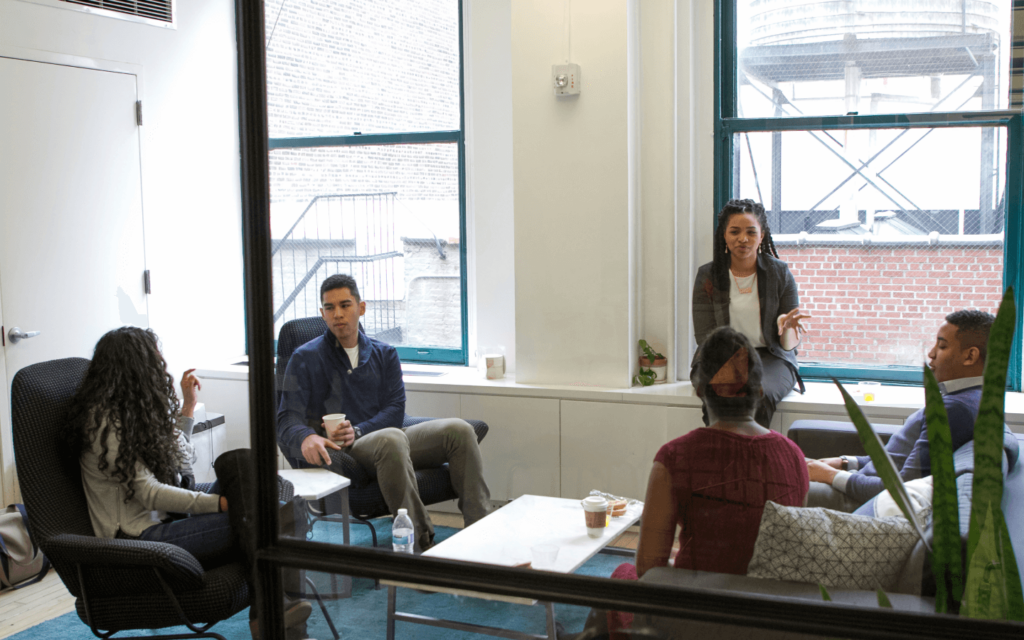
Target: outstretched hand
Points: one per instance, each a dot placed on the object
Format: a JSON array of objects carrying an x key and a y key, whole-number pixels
[{"x": 792, "y": 320}]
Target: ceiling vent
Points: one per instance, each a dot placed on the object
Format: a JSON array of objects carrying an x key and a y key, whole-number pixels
[{"x": 159, "y": 12}]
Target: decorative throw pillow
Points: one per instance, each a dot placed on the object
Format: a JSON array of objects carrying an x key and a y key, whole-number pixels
[{"x": 832, "y": 548}]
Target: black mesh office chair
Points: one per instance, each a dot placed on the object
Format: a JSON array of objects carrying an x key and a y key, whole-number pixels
[
  {"x": 119, "y": 584},
  {"x": 365, "y": 498}
]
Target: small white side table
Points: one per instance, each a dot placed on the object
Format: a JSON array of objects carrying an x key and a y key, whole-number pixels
[{"x": 316, "y": 484}]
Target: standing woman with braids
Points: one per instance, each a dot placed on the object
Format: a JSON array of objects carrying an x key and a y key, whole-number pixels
[
  {"x": 748, "y": 288},
  {"x": 122, "y": 432}
]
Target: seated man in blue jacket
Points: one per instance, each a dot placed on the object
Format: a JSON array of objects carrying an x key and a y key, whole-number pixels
[
  {"x": 958, "y": 362},
  {"x": 345, "y": 371}
]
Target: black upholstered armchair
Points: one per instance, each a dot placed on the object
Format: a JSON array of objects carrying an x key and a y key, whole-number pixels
[
  {"x": 365, "y": 498},
  {"x": 119, "y": 584}
]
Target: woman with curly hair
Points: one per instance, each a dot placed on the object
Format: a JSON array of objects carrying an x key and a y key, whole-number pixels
[
  {"x": 748, "y": 288},
  {"x": 123, "y": 429}
]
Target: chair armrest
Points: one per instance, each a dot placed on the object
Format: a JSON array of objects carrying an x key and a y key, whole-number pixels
[{"x": 178, "y": 567}]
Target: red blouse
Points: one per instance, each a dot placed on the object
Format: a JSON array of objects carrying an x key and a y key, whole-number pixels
[{"x": 720, "y": 481}]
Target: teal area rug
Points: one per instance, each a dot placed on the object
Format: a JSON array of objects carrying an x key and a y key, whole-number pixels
[{"x": 364, "y": 615}]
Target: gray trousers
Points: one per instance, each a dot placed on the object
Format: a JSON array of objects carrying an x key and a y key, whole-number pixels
[
  {"x": 392, "y": 456},
  {"x": 823, "y": 495}
]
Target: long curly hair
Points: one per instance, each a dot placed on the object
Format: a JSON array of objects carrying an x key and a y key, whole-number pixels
[
  {"x": 127, "y": 388},
  {"x": 720, "y": 258}
]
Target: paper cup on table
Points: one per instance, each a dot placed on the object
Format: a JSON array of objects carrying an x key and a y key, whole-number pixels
[
  {"x": 331, "y": 423},
  {"x": 595, "y": 510}
]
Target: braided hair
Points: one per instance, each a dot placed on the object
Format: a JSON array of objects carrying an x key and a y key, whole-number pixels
[
  {"x": 720, "y": 257},
  {"x": 717, "y": 350},
  {"x": 127, "y": 389}
]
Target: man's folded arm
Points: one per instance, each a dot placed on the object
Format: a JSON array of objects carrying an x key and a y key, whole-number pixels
[
  {"x": 291, "y": 414},
  {"x": 392, "y": 397}
]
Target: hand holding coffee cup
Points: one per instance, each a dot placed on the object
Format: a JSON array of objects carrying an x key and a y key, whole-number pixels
[
  {"x": 338, "y": 429},
  {"x": 595, "y": 510}
]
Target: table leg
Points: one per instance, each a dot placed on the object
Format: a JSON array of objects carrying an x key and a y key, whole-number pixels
[
  {"x": 550, "y": 606},
  {"x": 346, "y": 581},
  {"x": 391, "y": 613}
]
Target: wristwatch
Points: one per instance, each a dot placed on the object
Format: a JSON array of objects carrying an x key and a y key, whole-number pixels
[
  {"x": 845, "y": 466},
  {"x": 358, "y": 432}
]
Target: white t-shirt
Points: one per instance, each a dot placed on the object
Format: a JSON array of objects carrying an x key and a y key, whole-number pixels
[
  {"x": 353, "y": 355},
  {"x": 745, "y": 309}
]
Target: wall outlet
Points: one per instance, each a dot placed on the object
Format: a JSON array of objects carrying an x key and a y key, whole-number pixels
[{"x": 566, "y": 79}]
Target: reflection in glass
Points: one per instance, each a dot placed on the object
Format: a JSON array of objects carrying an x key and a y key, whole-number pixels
[{"x": 886, "y": 231}]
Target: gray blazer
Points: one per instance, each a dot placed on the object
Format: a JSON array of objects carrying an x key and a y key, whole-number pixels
[{"x": 776, "y": 292}]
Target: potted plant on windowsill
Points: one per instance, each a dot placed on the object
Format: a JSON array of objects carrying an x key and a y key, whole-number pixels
[{"x": 653, "y": 367}]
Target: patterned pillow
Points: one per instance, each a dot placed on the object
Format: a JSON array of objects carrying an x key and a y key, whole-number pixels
[{"x": 831, "y": 548}]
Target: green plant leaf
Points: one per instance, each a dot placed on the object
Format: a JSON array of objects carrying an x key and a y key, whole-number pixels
[
  {"x": 884, "y": 465},
  {"x": 947, "y": 563},
  {"x": 649, "y": 352},
  {"x": 645, "y": 378},
  {"x": 984, "y": 595},
  {"x": 883, "y": 600},
  {"x": 824, "y": 593},
  {"x": 988, "y": 428}
]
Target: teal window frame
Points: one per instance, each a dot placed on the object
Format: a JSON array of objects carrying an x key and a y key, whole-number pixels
[
  {"x": 727, "y": 124},
  {"x": 425, "y": 354}
]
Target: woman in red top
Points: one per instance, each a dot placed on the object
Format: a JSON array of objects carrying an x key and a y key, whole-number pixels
[{"x": 713, "y": 482}]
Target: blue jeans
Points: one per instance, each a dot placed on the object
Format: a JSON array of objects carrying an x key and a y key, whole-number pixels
[{"x": 208, "y": 537}]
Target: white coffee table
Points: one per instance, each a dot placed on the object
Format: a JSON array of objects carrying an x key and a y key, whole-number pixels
[
  {"x": 316, "y": 484},
  {"x": 504, "y": 538}
]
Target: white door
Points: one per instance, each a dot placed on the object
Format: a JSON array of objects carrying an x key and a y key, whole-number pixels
[{"x": 72, "y": 259}]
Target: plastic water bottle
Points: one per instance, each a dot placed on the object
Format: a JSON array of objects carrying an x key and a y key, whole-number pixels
[{"x": 402, "y": 533}]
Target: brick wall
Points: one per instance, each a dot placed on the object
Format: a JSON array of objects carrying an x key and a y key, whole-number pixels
[{"x": 883, "y": 306}]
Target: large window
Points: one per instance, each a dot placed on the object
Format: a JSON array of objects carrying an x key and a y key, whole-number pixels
[
  {"x": 366, "y": 139},
  {"x": 882, "y": 141}
]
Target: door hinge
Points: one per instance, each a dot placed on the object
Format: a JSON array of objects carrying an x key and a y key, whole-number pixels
[
  {"x": 138, "y": 112},
  {"x": 146, "y": 280}
]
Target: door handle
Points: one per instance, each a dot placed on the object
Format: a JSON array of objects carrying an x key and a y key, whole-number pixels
[{"x": 16, "y": 335}]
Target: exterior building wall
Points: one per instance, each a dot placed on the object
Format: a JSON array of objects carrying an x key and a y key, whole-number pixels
[{"x": 884, "y": 306}]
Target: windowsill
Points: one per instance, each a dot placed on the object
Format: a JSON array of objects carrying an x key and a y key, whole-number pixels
[{"x": 822, "y": 398}]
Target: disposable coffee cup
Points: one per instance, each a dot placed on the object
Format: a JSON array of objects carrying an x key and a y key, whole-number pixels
[
  {"x": 595, "y": 510},
  {"x": 332, "y": 422}
]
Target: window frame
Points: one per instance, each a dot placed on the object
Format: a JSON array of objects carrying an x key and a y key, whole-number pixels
[
  {"x": 416, "y": 354},
  {"x": 726, "y": 124}
]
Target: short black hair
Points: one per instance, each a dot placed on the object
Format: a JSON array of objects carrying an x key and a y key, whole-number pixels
[
  {"x": 339, "y": 281},
  {"x": 972, "y": 329},
  {"x": 719, "y": 348}
]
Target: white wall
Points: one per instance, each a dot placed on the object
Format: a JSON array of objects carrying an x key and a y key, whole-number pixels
[
  {"x": 572, "y": 207},
  {"x": 488, "y": 103},
  {"x": 190, "y": 160}
]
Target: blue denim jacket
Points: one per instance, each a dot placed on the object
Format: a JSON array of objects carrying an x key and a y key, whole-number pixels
[{"x": 320, "y": 380}]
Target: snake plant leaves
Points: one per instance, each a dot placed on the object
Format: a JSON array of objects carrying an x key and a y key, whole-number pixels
[
  {"x": 947, "y": 564},
  {"x": 988, "y": 428},
  {"x": 883, "y": 463},
  {"x": 883, "y": 600},
  {"x": 824, "y": 593},
  {"x": 993, "y": 588}
]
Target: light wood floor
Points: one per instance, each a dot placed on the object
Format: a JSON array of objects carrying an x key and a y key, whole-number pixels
[{"x": 29, "y": 606}]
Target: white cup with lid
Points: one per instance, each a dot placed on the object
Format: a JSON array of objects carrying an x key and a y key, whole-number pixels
[{"x": 595, "y": 509}]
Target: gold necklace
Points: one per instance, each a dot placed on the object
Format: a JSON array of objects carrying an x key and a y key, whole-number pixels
[{"x": 741, "y": 289}]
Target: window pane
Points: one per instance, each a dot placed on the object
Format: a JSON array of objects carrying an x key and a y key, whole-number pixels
[
  {"x": 883, "y": 253},
  {"x": 871, "y": 56},
  {"x": 387, "y": 215},
  {"x": 335, "y": 68}
]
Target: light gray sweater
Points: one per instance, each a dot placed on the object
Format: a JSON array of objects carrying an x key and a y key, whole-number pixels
[{"x": 152, "y": 500}]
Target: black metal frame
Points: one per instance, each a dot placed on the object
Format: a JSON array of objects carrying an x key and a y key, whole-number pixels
[{"x": 726, "y": 608}]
